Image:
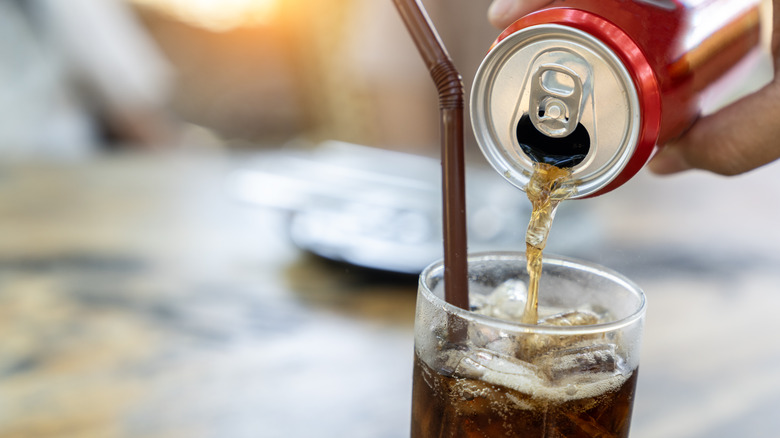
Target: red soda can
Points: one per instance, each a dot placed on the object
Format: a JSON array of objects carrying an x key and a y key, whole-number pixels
[{"x": 597, "y": 85}]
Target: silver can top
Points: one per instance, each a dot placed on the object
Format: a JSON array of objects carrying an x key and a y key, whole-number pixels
[{"x": 554, "y": 93}]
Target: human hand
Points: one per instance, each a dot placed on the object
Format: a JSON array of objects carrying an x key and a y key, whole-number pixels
[{"x": 736, "y": 139}]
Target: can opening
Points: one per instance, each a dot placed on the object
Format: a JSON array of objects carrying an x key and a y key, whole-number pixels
[{"x": 567, "y": 151}]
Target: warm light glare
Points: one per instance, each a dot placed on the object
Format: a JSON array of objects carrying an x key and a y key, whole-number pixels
[{"x": 218, "y": 15}]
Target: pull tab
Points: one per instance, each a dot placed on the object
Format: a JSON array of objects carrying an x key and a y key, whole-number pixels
[{"x": 556, "y": 99}]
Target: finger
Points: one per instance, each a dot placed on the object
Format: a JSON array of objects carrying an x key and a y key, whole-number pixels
[
  {"x": 502, "y": 13},
  {"x": 740, "y": 137}
]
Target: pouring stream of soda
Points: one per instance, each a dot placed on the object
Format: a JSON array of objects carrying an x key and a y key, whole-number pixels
[
  {"x": 450, "y": 87},
  {"x": 548, "y": 186}
]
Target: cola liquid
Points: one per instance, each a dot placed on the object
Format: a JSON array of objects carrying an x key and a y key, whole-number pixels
[
  {"x": 548, "y": 186},
  {"x": 445, "y": 405}
]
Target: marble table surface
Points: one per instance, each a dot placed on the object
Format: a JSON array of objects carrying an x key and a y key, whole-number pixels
[{"x": 137, "y": 299}]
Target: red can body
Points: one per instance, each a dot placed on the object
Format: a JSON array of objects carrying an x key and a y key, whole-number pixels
[{"x": 675, "y": 50}]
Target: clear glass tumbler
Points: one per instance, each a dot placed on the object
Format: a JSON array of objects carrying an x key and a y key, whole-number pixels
[{"x": 481, "y": 373}]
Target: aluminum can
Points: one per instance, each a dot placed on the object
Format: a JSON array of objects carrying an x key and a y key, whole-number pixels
[{"x": 597, "y": 85}]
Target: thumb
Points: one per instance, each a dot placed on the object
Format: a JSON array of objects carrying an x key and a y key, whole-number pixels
[{"x": 738, "y": 138}]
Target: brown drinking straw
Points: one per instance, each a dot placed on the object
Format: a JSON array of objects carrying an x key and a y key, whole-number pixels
[{"x": 450, "y": 87}]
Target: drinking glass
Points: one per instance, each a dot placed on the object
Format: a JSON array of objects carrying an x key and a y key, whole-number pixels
[{"x": 482, "y": 373}]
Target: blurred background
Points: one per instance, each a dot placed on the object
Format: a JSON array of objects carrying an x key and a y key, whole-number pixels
[
  {"x": 250, "y": 72},
  {"x": 212, "y": 213}
]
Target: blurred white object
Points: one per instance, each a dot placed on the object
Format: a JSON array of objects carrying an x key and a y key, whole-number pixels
[
  {"x": 382, "y": 209},
  {"x": 62, "y": 63}
]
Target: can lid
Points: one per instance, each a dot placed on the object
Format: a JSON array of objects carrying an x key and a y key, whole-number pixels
[{"x": 561, "y": 86}]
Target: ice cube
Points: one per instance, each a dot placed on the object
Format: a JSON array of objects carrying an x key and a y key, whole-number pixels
[
  {"x": 468, "y": 363},
  {"x": 533, "y": 345},
  {"x": 474, "y": 363},
  {"x": 507, "y": 301},
  {"x": 471, "y": 364},
  {"x": 503, "y": 345},
  {"x": 508, "y": 372},
  {"x": 571, "y": 318},
  {"x": 481, "y": 336},
  {"x": 477, "y": 302},
  {"x": 579, "y": 362}
]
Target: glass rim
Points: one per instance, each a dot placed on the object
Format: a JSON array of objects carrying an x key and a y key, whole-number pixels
[{"x": 547, "y": 260}]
